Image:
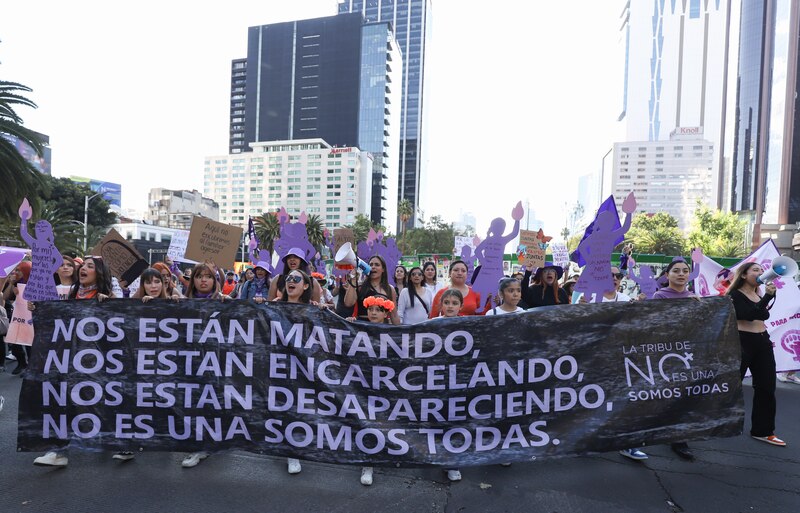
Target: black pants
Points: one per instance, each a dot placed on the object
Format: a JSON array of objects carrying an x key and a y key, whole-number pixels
[{"x": 757, "y": 356}]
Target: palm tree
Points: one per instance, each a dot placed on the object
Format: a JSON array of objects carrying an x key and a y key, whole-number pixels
[
  {"x": 316, "y": 231},
  {"x": 404, "y": 210},
  {"x": 267, "y": 229},
  {"x": 19, "y": 178}
]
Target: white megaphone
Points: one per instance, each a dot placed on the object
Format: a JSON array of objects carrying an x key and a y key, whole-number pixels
[
  {"x": 782, "y": 266},
  {"x": 347, "y": 260}
]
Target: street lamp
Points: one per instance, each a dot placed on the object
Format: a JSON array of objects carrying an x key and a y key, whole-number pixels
[{"x": 86, "y": 200}]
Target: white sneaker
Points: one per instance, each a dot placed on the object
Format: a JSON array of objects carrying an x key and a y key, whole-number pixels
[
  {"x": 51, "y": 459},
  {"x": 454, "y": 475},
  {"x": 782, "y": 376},
  {"x": 193, "y": 459},
  {"x": 793, "y": 378},
  {"x": 293, "y": 466},
  {"x": 366, "y": 476},
  {"x": 124, "y": 456}
]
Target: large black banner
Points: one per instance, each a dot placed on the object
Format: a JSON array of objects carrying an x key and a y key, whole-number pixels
[{"x": 288, "y": 379}]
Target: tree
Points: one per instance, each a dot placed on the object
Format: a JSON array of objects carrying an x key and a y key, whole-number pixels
[
  {"x": 404, "y": 211},
  {"x": 361, "y": 227},
  {"x": 717, "y": 233},
  {"x": 19, "y": 178},
  {"x": 267, "y": 229},
  {"x": 68, "y": 199},
  {"x": 656, "y": 234},
  {"x": 436, "y": 236},
  {"x": 315, "y": 231}
]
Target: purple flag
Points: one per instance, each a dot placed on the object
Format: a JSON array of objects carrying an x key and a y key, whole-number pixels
[{"x": 607, "y": 205}]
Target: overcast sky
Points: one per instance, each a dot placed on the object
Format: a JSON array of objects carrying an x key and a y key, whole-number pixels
[{"x": 524, "y": 95}]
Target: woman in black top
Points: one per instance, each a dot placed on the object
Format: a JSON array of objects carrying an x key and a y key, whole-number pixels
[
  {"x": 545, "y": 290},
  {"x": 751, "y": 312}
]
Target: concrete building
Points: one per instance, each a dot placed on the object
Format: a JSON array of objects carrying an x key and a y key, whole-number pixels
[
  {"x": 301, "y": 175},
  {"x": 666, "y": 176},
  {"x": 336, "y": 78},
  {"x": 676, "y": 61},
  {"x": 175, "y": 209}
]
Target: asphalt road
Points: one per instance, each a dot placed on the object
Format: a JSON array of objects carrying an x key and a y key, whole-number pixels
[{"x": 729, "y": 476}]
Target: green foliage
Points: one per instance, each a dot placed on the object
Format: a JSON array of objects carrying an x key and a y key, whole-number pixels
[
  {"x": 361, "y": 227},
  {"x": 316, "y": 231},
  {"x": 435, "y": 237},
  {"x": 68, "y": 198},
  {"x": 656, "y": 234},
  {"x": 717, "y": 233},
  {"x": 19, "y": 178},
  {"x": 267, "y": 229}
]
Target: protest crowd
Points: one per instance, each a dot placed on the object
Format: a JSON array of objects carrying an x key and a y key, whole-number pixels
[{"x": 379, "y": 292}]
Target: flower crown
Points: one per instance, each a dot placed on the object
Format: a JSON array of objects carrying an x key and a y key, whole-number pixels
[
  {"x": 318, "y": 276},
  {"x": 379, "y": 301}
]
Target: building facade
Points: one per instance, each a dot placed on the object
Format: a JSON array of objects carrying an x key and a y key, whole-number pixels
[
  {"x": 676, "y": 61},
  {"x": 175, "y": 209},
  {"x": 764, "y": 181},
  {"x": 336, "y": 78},
  {"x": 301, "y": 175},
  {"x": 411, "y": 20},
  {"x": 666, "y": 176}
]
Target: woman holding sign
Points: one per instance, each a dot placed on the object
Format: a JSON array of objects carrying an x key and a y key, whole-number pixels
[
  {"x": 677, "y": 275},
  {"x": 94, "y": 282},
  {"x": 752, "y": 309}
]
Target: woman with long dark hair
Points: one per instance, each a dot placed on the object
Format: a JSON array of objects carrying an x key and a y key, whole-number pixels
[
  {"x": 430, "y": 282},
  {"x": 414, "y": 302},
  {"x": 752, "y": 309},
  {"x": 376, "y": 283}
]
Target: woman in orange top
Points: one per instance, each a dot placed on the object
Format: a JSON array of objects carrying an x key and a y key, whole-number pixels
[{"x": 458, "y": 281}]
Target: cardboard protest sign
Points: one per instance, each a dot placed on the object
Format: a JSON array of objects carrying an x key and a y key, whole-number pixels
[
  {"x": 177, "y": 247},
  {"x": 460, "y": 241},
  {"x": 20, "y": 324},
  {"x": 210, "y": 240},
  {"x": 342, "y": 235},
  {"x": 122, "y": 259},
  {"x": 530, "y": 251}
]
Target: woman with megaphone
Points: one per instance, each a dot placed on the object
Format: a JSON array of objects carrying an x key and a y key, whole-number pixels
[
  {"x": 376, "y": 283},
  {"x": 752, "y": 309}
]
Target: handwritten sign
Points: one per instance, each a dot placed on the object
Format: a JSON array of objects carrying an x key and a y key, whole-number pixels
[
  {"x": 529, "y": 249},
  {"x": 177, "y": 247},
  {"x": 210, "y": 240},
  {"x": 122, "y": 259},
  {"x": 342, "y": 235},
  {"x": 560, "y": 254}
]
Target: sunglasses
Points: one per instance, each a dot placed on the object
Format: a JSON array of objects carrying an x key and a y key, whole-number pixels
[
  {"x": 416, "y": 274},
  {"x": 294, "y": 279},
  {"x": 618, "y": 276}
]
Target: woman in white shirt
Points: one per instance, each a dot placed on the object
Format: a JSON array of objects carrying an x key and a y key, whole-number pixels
[
  {"x": 430, "y": 282},
  {"x": 415, "y": 300}
]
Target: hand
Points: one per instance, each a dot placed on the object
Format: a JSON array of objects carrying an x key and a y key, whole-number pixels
[
  {"x": 225, "y": 297},
  {"x": 582, "y": 300},
  {"x": 168, "y": 260},
  {"x": 259, "y": 299},
  {"x": 641, "y": 297},
  {"x": 697, "y": 255},
  {"x": 351, "y": 319},
  {"x": 770, "y": 289},
  {"x": 101, "y": 298},
  {"x": 176, "y": 297},
  {"x": 629, "y": 205},
  {"x": 518, "y": 212},
  {"x": 31, "y": 306},
  {"x": 145, "y": 299}
]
